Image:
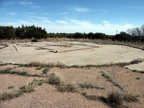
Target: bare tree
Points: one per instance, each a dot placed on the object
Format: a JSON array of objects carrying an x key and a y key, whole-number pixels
[
  {"x": 142, "y": 30},
  {"x": 138, "y": 31}
]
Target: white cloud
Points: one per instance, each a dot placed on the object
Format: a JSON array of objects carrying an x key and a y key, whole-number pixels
[
  {"x": 71, "y": 25},
  {"x": 101, "y": 10},
  {"x": 38, "y": 17},
  {"x": 64, "y": 13},
  {"x": 35, "y": 6},
  {"x": 83, "y": 23},
  {"x": 31, "y": 4},
  {"x": 26, "y": 3},
  {"x": 47, "y": 21},
  {"x": 61, "y": 21},
  {"x": 81, "y": 9},
  {"x": 77, "y": 9},
  {"x": 3, "y": 9},
  {"x": 9, "y": 3},
  {"x": 30, "y": 13},
  {"x": 13, "y": 13}
]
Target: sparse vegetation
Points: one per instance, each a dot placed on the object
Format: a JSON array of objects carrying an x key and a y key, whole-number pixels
[
  {"x": 53, "y": 79},
  {"x": 130, "y": 98},
  {"x": 109, "y": 79},
  {"x": 46, "y": 70},
  {"x": 19, "y": 93},
  {"x": 39, "y": 68},
  {"x": 41, "y": 82},
  {"x": 67, "y": 88},
  {"x": 8, "y": 71},
  {"x": 10, "y": 87},
  {"x": 138, "y": 78},
  {"x": 39, "y": 64},
  {"x": 24, "y": 89},
  {"x": 21, "y": 65},
  {"x": 138, "y": 71},
  {"x": 34, "y": 40},
  {"x": 6, "y": 96},
  {"x": 114, "y": 99},
  {"x": 29, "y": 87},
  {"x": 87, "y": 86}
]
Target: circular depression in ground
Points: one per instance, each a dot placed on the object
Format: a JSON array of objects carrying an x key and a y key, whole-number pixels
[{"x": 69, "y": 53}]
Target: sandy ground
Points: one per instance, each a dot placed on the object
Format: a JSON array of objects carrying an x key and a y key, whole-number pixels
[
  {"x": 28, "y": 52},
  {"x": 139, "y": 66},
  {"x": 48, "y": 96},
  {"x": 7, "y": 80}
]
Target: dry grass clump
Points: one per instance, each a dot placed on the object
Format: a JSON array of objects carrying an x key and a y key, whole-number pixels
[
  {"x": 6, "y": 96},
  {"x": 114, "y": 99},
  {"x": 130, "y": 98},
  {"x": 90, "y": 86},
  {"x": 36, "y": 64},
  {"x": 57, "y": 64},
  {"x": 52, "y": 64},
  {"x": 53, "y": 79},
  {"x": 29, "y": 88},
  {"x": 67, "y": 88},
  {"x": 109, "y": 79}
]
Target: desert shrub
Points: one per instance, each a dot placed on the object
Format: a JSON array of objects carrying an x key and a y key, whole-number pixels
[
  {"x": 18, "y": 94},
  {"x": 29, "y": 88},
  {"x": 67, "y": 88},
  {"x": 46, "y": 70},
  {"x": 36, "y": 64},
  {"x": 87, "y": 86},
  {"x": 115, "y": 100},
  {"x": 34, "y": 40},
  {"x": 130, "y": 98},
  {"x": 53, "y": 79},
  {"x": 10, "y": 87},
  {"x": 6, "y": 96}
]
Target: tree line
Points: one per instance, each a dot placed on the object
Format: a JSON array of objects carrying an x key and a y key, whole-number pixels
[{"x": 24, "y": 32}]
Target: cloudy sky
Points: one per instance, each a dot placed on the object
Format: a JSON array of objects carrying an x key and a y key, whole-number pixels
[{"x": 71, "y": 16}]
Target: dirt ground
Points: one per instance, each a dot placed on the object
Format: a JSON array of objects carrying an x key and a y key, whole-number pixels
[
  {"x": 119, "y": 79},
  {"x": 69, "y": 53},
  {"x": 47, "y": 96}
]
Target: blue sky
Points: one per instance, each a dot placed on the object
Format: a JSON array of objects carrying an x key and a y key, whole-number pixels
[{"x": 71, "y": 16}]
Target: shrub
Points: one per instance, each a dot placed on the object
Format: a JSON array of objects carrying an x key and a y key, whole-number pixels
[
  {"x": 6, "y": 95},
  {"x": 53, "y": 79},
  {"x": 115, "y": 100},
  {"x": 67, "y": 88},
  {"x": 46, "y": 70},
  {"x": 19, "y": 93},
  {"x": 10, "y": 87},
  {"x": 87, "y": 86},
  {"x": 130, "y": 98},
  {"x": 34, "y": 40}
]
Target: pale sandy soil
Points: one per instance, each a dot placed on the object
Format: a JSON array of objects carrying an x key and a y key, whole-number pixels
[
  {"x": 124, "y": 77},
  {"x": 8, "y": 66},
  {"x": 30, "y": 71},
  {"x": 7, "y": 80},
  {"x": 139, "y": 66},
  {"x": 47, "y": 96},
  {"x": 27, "y": 52}
]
